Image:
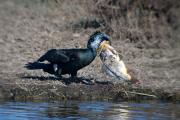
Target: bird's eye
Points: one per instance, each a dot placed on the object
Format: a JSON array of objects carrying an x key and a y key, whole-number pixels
[{"x": 105, "y": 38}]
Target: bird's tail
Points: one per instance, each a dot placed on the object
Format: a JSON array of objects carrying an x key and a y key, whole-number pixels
[
  {"x": 36, "y": 65},
  {"x": 46, "y": 67}
]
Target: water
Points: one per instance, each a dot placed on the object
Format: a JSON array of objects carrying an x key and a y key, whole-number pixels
[{"x": 73, "y": 110}]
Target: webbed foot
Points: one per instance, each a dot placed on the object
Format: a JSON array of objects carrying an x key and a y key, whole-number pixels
[{"x": 82, "y": 80}]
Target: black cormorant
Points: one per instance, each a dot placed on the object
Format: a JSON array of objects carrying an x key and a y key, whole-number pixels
[{"x": 69, "y": 61}]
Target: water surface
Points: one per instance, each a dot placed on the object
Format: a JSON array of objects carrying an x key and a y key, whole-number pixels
[{"x": 72, "y": 110}]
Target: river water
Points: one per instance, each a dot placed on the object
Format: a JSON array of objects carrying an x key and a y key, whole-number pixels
[{"x": 85, "y": 110}]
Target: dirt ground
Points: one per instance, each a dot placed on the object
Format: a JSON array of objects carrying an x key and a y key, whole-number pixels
[{"x": 29, "y": 28}]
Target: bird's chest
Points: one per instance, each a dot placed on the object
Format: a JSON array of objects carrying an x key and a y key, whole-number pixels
[
  {"x": 83, "y": 60},
  {"x": 79, "y": 61}
]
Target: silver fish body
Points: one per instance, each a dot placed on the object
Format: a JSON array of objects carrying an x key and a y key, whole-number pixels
[{"x": 112, "y": 64}]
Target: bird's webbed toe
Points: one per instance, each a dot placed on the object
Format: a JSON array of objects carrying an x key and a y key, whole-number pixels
[
  {"x": 74, "y": 79},
  {"x": 82, "y": 80}
]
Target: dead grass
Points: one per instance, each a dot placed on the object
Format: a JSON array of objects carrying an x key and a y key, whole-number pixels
[{"x": 145, "y": 32}]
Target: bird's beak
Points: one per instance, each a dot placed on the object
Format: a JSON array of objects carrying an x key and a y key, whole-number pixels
[{"x": 102, "y": 46}]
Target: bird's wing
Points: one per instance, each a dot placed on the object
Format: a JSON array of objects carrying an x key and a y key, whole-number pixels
[{"x": 55, "y": 56}]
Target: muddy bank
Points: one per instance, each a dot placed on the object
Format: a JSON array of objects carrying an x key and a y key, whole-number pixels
[
  {"x": 51, "y": 88},
  {"x": 146, "y": 34}
]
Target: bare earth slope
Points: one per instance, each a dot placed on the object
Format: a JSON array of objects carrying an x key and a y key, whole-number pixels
[{"x": 29, "y": 28}]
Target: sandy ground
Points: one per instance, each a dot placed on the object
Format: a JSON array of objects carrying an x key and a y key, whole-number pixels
[{"x": 28, "y": 30}]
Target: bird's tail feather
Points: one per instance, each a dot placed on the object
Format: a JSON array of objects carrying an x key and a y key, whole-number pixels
[
  {"x": 36, "y": 65},
  {"x": 46, "y": 67}
]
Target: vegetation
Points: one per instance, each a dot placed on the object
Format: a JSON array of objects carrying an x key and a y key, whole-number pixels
[{"x": 144, "y": 32}]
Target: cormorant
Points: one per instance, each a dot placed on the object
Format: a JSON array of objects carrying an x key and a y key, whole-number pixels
[{"x": 69, "y": 61}]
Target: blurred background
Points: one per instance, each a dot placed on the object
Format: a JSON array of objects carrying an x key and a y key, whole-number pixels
[{"x": 145, "y": 32}]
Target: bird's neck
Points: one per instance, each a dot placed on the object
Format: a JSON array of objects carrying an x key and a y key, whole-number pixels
[
  {"x": 88, "y": 56},
  {"x": 93, "y": 51}
]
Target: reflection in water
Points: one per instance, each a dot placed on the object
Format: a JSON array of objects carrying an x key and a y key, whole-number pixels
[{"x": 88, "y": 110}]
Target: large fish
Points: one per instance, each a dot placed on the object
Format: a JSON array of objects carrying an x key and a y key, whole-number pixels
[{"x": 112, "y": 64}]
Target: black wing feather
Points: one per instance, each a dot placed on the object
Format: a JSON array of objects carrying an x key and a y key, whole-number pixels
[{"x": 55, "y": 56}]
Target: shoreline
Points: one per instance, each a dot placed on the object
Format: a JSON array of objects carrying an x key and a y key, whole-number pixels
[{"x": 78, "y": 91}]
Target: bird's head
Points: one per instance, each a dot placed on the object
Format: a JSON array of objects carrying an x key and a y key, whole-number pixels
[{"x": 98, "y": 41}]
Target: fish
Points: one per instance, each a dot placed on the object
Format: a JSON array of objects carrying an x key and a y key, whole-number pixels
[{"x": 113, "y": 65}]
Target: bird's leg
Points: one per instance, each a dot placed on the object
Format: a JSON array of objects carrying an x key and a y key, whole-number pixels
[{"x": 74, "y": 76}]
